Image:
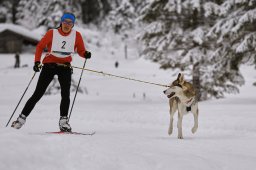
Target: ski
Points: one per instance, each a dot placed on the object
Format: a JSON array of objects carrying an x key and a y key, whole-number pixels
[{"x": 71, "y": 133}]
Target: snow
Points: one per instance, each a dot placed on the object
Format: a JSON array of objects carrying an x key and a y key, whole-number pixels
[
  {"x": 248, "y": 17},
  {"x": 20, "y": 30},
  {"x": 131, "y": 131},
  {"x": 198, "y": 35}
]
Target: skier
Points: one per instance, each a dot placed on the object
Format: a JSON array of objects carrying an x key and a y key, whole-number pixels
[{"x": 61, "y": 43}]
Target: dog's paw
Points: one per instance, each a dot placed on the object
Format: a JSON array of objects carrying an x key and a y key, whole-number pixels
[
  {"x": 194, "y": 129},
  {"x": 180, "y": 137}
]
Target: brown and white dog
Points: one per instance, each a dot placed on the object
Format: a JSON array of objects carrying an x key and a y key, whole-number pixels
[{"x": 182, "y": 97}]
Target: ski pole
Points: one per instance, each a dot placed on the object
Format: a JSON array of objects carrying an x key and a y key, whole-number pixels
[
  {"x": 77, "y": 90},
  {"x": 21, "y": 98}
]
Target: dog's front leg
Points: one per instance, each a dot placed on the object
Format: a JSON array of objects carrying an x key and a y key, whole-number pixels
[
  {"x": 173, "y": 108},
  {"x": 171, "y": 122},
  {"x": 195, "y": 113},
  {"x": 180, "y": 117}
]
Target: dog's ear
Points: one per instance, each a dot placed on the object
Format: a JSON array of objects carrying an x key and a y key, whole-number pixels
[
  {"x": 178, "y": 76},
  {"x": 181, "y": 78}
]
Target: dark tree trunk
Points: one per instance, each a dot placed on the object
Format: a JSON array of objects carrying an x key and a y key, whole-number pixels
[
  {"x": 94, "y": 10},
  {"x": 14, "y": 10},
  {"x": 196, "y": 80}
]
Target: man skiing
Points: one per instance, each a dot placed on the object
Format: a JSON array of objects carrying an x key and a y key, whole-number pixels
[{"x": 61, "y": 43}]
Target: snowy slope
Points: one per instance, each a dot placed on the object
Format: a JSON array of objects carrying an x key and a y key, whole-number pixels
[{"x": 131, "y": 132}]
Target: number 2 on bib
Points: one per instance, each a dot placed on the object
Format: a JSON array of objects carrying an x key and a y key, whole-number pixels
[{"x": 64, "y": 43}]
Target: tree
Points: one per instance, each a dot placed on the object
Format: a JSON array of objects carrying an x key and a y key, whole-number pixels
[
  {"x": 174, "y": 36},
  {"x": 8, "y": 10},
  {"x": 95, "y": 11},
  {"x": 34, "y": 13},
  {"x": 234, "y": 36},
  {"x": 188, "y": 35}
]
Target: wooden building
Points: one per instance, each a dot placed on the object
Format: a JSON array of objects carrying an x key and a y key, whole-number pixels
[{"x": 13, "y": 37}]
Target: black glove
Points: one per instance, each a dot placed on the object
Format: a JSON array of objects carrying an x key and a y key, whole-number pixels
[
  {"x": 87, "y": 54},
  {"x": 37, "y": 66}
]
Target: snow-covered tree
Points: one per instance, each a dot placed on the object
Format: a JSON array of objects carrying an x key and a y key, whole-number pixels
[
  {"x": 8, "y": 10},
  {"x": 34, "y": 13},
  {"x": 234, "y": 36},
  {"x": 180, "y": 34},
  {"x": 95, "y": 11},
  {"x": 122, "y": 22},
  {"x": 174, "y": 35},
  {"x": 123, "y": 17}
]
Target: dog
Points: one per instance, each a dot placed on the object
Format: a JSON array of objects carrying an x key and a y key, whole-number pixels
[{"x": 182, "y": 97}]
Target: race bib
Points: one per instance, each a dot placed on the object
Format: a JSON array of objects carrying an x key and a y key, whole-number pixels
[{"x": 63, "y": 46}]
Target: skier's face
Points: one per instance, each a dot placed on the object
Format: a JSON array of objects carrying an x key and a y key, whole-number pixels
[{"x": 67, "y": 25}]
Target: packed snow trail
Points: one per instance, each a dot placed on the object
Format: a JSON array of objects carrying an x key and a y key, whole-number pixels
[{"x": 131, "y": 128}]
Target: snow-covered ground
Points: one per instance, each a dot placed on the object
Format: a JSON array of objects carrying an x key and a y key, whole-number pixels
[{"x": 131, "y": 130}]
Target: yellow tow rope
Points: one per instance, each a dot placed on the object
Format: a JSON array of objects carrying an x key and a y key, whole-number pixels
[{"x": 122, "y": 77}]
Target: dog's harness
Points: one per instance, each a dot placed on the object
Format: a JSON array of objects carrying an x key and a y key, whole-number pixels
[
  {"x": 190, "y": 102},
  {"x": 187, "y": 102}
]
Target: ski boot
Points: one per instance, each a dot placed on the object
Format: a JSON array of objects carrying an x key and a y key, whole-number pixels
[
  {"x": 63, "y": 124},
  {"x": 21, "y": 120}
]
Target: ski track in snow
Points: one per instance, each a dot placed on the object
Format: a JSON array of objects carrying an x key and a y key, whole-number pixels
[{"x": 131, "y": 133}]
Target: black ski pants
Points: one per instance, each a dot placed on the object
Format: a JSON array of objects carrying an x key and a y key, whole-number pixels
[{"x": 46, "y": 76}]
